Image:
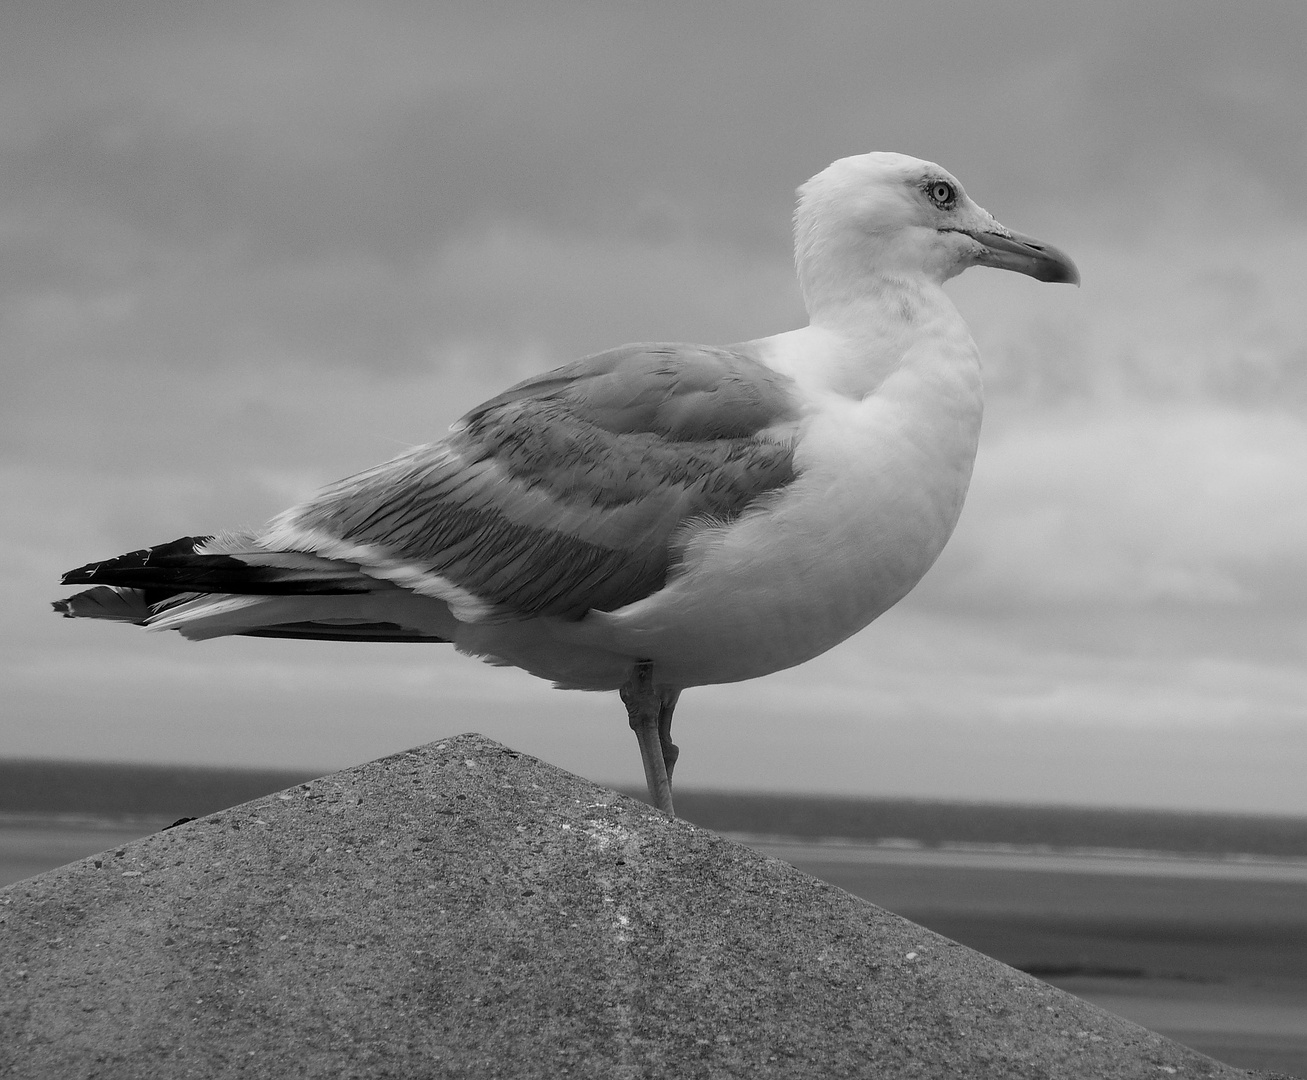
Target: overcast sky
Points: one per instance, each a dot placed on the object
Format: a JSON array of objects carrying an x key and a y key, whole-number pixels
[{"x": 248, "y": 249}]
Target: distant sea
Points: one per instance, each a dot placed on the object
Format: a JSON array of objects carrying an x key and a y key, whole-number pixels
[{"x": 1192, "y": 924}]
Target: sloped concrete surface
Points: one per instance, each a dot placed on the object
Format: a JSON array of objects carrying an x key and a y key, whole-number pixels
[{"x": 462, "y": 910}]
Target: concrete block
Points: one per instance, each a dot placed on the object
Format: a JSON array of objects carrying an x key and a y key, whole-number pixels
[{"x": 463, "y": 910}]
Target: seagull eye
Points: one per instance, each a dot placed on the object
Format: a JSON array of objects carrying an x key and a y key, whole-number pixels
[{"x": 942, "y": 194}]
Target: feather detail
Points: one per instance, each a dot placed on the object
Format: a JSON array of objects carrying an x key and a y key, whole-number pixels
[
  {"x": 106, "y": 602},
  {"x": 374, "y": 561},
  {"x": 197, "y": 564},
  {"x": 416, "y": 618},
  {"x": 568, "y": 493}
]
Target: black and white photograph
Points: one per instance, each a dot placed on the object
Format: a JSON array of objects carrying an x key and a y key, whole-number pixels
[{"x": 684, "y": 540}]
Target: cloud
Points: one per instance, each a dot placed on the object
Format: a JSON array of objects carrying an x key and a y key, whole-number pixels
[
  {"x": 1135, "y": 507},
  {"x": 580, "y": 293}
]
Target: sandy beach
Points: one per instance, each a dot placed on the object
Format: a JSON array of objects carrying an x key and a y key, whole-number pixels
[{"x": 1210, "y": 952}]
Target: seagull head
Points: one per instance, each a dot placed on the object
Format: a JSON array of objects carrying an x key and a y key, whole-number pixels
[{"x": 878, "y": 216}]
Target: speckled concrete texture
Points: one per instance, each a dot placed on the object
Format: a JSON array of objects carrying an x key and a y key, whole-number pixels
[{"x": 462, "y": 910}]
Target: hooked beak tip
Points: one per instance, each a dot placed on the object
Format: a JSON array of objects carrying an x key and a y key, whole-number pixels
[{"x": 1028, "y": 256}]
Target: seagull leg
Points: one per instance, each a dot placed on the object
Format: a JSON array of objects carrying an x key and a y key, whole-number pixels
[
  {"x": 645, "y": 709},
  {"x": 666, "y": 705}
]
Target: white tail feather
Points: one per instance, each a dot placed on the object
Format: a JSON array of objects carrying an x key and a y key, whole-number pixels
[{"x": 215, "y": 615}]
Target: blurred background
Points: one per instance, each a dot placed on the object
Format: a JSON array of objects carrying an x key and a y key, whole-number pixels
[{"x": 251, "y": 248}]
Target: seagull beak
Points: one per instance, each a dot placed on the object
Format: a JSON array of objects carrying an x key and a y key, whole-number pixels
[{"x": 1012, "y": 251}]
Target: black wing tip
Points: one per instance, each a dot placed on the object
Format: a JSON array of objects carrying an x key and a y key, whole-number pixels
[
  {"x": 379, "y": 631},
  {"x": 107, "y": 602},
  {"x": 90, "y": 573}
]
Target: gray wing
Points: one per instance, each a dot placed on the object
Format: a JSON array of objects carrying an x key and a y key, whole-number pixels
[{"x": 575, "y": 489}]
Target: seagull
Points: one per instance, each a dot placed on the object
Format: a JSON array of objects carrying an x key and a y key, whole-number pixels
[{"x": 657, "y": 516}]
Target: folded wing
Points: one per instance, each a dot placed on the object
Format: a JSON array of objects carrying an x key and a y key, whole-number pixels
[{"x": 572, "y": 491}]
